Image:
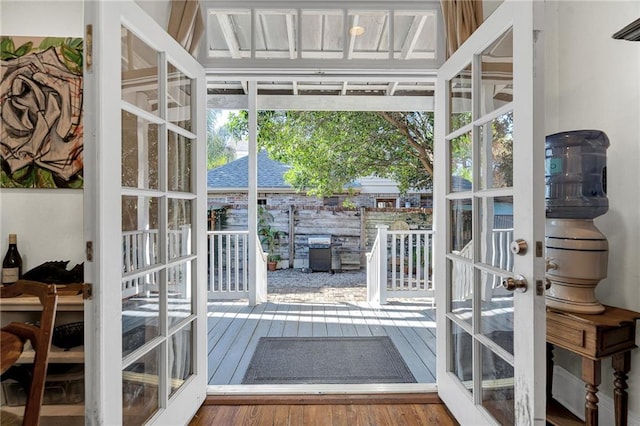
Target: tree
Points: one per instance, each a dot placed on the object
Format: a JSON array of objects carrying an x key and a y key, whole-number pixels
[
  {"x": 218, "y": 150},
  {"x": 328, "y": 150}
]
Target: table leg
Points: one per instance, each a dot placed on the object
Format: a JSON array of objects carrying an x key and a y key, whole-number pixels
[
  {"x": 549, "y": 371},
  {"x": 591, "y": 375},
  {"x": 621, "y": 366}
]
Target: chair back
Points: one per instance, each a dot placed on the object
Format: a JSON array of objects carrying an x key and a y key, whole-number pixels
[{"x": 40, "y": 338}]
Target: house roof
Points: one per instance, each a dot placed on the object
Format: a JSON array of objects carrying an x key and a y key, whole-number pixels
[{"x": 235, "y": 174}]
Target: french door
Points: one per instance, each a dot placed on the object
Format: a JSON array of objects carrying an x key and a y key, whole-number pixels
[
  {"x": 489, "y": 188},
  {"x": 146, "y": 220}
]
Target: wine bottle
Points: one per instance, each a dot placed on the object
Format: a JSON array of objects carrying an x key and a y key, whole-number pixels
[{"x": 12, "y": 263}]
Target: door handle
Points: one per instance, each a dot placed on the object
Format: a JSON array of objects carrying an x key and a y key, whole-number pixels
[
  {"x": 518, "y": 246},
  {"x": 517, "y": 283}
]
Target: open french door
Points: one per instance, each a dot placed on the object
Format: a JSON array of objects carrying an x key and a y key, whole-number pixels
[
  {"x": 489, "y": 189},
  {"x": 145, "y": 214}
]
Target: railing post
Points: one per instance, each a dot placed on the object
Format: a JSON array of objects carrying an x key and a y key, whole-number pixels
[{"x": 382, "y": 262}]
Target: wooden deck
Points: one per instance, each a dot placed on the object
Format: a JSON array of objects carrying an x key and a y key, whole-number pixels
[{"x": 234, "y": 330}]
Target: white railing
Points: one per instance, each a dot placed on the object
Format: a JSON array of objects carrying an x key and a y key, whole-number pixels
[
  {"x": 228, "y": 264},
  {"x": 141, "y": 249},
  {"x": 400, "y": 265},
  {"x": 498, "y": 256}
]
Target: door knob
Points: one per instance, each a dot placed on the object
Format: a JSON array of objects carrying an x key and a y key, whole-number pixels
[
  {"x": 517, "y": 283},
  {"x": 518, "y": 246}
]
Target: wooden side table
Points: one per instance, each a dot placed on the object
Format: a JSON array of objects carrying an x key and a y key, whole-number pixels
[{"x": 594, "y": 337}]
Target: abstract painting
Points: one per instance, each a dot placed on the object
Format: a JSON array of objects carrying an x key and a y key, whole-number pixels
[{"x": 41, "y": 128}]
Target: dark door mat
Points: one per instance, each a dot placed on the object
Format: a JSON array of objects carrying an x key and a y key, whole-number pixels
[{"x": 349, "y": 360}]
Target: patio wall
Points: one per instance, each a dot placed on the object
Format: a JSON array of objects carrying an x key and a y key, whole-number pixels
[{"x": 353, "y": 231}]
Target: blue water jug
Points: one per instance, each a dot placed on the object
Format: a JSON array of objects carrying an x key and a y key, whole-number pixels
[{"x": 575, "y": 174}]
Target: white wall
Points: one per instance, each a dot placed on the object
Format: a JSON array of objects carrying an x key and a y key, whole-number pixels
[
  {"x": 49, "y": 223},
  {"x": 593, "y": 82}
]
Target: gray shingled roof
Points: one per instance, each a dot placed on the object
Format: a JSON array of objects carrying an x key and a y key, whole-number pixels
[{"x": 235, "y": 174}]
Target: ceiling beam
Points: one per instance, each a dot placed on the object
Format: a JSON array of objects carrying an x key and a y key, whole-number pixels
[
  {"x": 352, "y": 38},
  {"x": 229, "y": 35},
  {"x": 343, "y": 91},
  {"x": 324, "y": 103},
  {"x": 290, "y": 36},
  {"x": 412, "y": 37},
  {"x": 392, "y": 88}
]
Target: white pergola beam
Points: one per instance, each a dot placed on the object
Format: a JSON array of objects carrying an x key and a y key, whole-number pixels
[
  {"x": 291, "y": 36},
  {"x": 324, "y": 103},
  {"x": 352, "y": 39},
  {"x": 229, "y": 35},
  {"x": 412, "y": 37},
  {"x": 392, "y": 88}
]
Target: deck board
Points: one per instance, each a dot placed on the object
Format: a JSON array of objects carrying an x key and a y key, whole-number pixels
[{"x": 235, "y": 329}]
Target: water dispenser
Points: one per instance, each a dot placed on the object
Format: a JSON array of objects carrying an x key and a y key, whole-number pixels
[{"x": 577, "y": 252}]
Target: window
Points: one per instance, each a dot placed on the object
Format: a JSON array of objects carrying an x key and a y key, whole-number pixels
[
  {"x": 262, "y": 201},
  {"x": 385, "y": 202},
  {"x": 426, "y": 201}
]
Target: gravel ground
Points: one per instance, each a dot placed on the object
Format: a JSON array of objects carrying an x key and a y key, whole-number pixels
[
  {"x": 299, "y": 278},
  {"x": 298, "y": 286}
]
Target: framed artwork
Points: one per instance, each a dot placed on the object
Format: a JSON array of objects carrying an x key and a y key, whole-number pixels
[{"x": 41, "y": 129}]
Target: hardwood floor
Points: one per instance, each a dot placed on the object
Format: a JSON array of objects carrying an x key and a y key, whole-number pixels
[
  {"x": 353, "y": 410},
  {"x": 235, "y": 328}
]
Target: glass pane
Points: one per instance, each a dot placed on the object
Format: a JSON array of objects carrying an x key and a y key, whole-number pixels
[
  {"x": 496, "y": 318},
  {"x": 369, "y": 32},
  {"x": 497, "y": 387},
  {"x": 461, "y": 163},
  {"x": 496, "y": 153},
  {"x": 179, "y": 163},
  {"x": 140, "y": 390},
  {"x": 497, "y": 73},
  {"x": 276, "y": 32},
  {"x": 179, "y": 97},
  {"x": 181, "y": 357},
  {"x": 462, "y": 280},
  {"x": 139, "y": 73},
  {"x": 460, "y": 99},
  {"x": 496, "y": 231},
  {"x": 461, "y": 355},
  {"x": 461, "y": 228},
  {"x": 329, "y": 23},
  {"x": 140, "y": 238},
  {"x": 139, "y": 152},
  {"x": 140, "y": 316},
  {"x": 179, "y": 225},
  {"x": 179, "y": 292},
  {"x": 415, "y": 35}
]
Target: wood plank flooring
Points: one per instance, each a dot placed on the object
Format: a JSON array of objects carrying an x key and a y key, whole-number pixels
[
  {"x": 326, "y": 411},
  {"x": 235, "y": 328}
]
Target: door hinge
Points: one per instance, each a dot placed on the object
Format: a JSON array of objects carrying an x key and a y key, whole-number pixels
[
  {"x": 88, "y": 48},
  {"x": 89, "y": 251},
  {"x": 539, "y": 248}
]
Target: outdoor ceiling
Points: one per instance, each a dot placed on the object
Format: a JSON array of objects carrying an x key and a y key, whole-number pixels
[{"x": 323, "y": 48}]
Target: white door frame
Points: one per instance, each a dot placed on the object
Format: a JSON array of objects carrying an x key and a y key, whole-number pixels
[
  {"x": 103, "y": 314},
  {"x": 528, "y": 193}
]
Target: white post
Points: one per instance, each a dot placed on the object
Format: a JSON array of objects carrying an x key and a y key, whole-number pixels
[
  {"x": 382, "y": 262},
  {"x": 252, "y": 207}
]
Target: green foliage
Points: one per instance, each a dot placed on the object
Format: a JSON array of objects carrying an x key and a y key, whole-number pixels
[
  {"x": 269, "y": 235},
  {"x": 329, "y": 150},
  {"x": 218, "y": 150}
]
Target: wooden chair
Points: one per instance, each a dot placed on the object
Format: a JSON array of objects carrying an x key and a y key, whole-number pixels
[{"x": 40, "y": 338}]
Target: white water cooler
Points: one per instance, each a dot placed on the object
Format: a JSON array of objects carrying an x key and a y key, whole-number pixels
[{"x": 577, "y": 252}]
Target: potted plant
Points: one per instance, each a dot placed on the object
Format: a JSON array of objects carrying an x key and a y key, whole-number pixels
[{"x": 270, "y": 236}]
